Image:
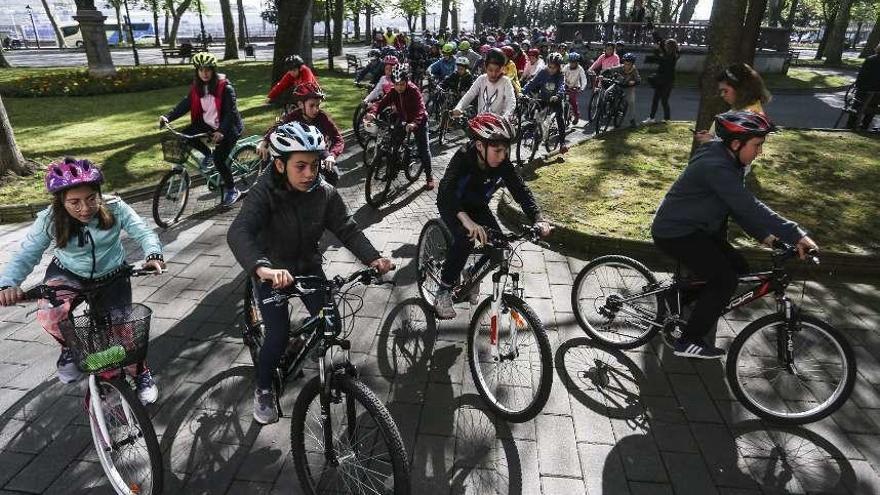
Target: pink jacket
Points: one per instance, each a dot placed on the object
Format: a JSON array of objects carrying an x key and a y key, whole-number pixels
[{"x": 604, "y": 62}]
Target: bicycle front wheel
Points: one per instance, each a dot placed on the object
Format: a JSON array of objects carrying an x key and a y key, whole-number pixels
[
  {"x": 610, "y": 302},
  {"x": 526, "y": 143},
  {"x": 170, "y": 197},
  {"x": 128, "y": 449},
  {"x": 357, "y": 123},
  {"x": 510, "y": 359},
  {"x": 412, "y": 164},
  {"x": 791, "y": 376},
  {"x": 370, "y": 456},
  {"x": 434, "y": 242},
  {"x": 378, "y": 182}
]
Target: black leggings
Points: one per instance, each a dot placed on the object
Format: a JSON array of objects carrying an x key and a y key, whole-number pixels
[
  {"x": 277, "y": 321},
  {"x": 711, "y": 259},
  {"x": 661, "y": 95},
  {"x": 221, "y": 151}
]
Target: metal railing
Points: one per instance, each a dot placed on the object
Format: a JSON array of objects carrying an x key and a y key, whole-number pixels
[{"x": 635, "y": 33}]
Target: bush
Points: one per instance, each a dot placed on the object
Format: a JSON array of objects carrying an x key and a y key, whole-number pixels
[{"x": 80, "y": 83}]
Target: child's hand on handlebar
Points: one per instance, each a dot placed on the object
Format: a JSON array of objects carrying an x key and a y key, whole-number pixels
[
  {"x": 163, "y": 121},
  {"x": 157, "y": 266},
  {"x": 278, "y": 278},
  {"x": 544, "y": 228},
  {"x": 11, "y": 295},
  {"x": 216, "y": 137},
  {"x": 804, "y": 246},
  {"x": 382, "y": 265}
]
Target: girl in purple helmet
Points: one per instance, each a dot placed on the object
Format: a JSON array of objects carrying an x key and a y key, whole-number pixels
[{"x": 85, "y": 228}]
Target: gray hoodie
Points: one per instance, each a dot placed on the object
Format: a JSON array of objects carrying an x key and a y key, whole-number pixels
[{"x": 711, "y": 188}]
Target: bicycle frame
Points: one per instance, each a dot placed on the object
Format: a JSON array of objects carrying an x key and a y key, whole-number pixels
[{"x": 210, "y": 172}]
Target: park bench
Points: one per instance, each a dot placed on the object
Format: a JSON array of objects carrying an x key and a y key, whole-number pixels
[
  {"x": 354, "y": 63},
  {"x": 789, "y": 60},
  {"x": 184, "y": 52}
]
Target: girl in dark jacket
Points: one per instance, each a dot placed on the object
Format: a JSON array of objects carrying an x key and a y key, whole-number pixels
[
  {"x": 212, "y": 107},
  {"x": 275, "y": 238},
  {"x": 666, "y": 55}
]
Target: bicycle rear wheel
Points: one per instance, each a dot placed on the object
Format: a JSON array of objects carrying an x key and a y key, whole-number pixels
[
  {"x": 514, "y": 377},
  {"x": 526, "y": 143},
  {"x": 412, "y": 164},
  {"x": 170, "y": 197},
  {"x": 247, "y": 165},
  {"x": 434, "y": 242},
  {"x": 130, "y": 454},
  {"x": 370, "y": 454},
  {"x": 357, "y": 123},
  {"x": 620, "y": 111},
  {"x": 607, "y": 303},
  {"x": 791, "y": 377}
]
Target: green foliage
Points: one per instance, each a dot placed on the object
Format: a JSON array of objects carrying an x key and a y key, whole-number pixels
[{"x": 78, "y": 82}]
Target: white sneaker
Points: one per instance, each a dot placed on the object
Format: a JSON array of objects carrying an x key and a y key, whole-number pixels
[
  {"x": 264, "y": 407},
  {"x": 147, "y": 390},
  {"x": 649, "y": 120},
  {"x": 443, "y": 305},
  {"x": 66, "y": 367}
]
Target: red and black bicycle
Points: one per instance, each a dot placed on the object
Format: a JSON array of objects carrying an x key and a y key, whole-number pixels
[{"x": 787, "y": 366}]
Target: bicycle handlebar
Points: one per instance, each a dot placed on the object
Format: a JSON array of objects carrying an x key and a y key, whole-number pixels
[
  {"x": 167, "y": 126},
  {"x": 784, "y": 251},
  {"x": 44, "y": 291},
  {"x": 366, "y": 276}
]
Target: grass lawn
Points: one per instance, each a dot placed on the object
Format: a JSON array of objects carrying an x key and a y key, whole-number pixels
[
  {"x": 611, "y": 186},
  {"x": 120, "y": 131},
  {"x": 845, "y": 63},
  {"x": 797, "y": 78}
]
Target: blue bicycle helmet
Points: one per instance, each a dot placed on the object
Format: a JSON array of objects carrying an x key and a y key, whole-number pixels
[
  {"x": 574, "y": 57},
  {"x": 628, "y": 57}
]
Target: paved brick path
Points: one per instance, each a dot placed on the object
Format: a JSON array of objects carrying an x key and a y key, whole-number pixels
[{"x": 666, "y": 426}]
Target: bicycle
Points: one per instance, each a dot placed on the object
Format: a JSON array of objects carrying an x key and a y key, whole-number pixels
[
  {"x": 610, "y": 104},
  {"x": 505, "y": 337},
  {"x": 856, "y": 104},
  {"x": 450, "y": 123},
  {"x": 172, "y": 193},
  {"x": 357, "y": 120},
  {"x": 537, "y": 126},
  {"x": 104, "y": 344},
  {"x": 395, "y": 153},
  {"x": 766, "y": 361},
  {"x": 342, "y": 444}
]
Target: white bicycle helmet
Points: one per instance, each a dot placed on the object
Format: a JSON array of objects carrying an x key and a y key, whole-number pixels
[{"x": 295, "y": 136}]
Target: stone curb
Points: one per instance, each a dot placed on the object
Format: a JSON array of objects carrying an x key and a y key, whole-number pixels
[{"x": 590, "y": 246}]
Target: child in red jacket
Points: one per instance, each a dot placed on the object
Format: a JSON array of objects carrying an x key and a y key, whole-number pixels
[{"x": 297, "y": 73}]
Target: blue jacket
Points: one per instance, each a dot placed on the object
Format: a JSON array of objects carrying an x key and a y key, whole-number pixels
[
  {"x": 710, "y": 188},
  {"x": 442, "y": 68},
  {"x": 546, "y": 85},
  {"x": 109, "y": 253}
]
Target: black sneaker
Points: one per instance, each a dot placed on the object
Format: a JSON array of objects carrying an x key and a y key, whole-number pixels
[{"x": 696, "y": 349}]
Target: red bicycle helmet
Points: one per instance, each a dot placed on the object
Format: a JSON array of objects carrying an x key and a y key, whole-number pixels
[
  {"x": 508, "y": 51},
  {"x": 307, "y": 91},
  {"x": 491, "y": 127},
  {"x": 534, "y": 52},
  {"x": 742, "y": 125},
  {"x": 391, "y": 60}
]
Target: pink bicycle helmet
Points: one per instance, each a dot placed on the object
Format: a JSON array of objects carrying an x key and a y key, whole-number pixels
[{"x": 71, "y": 173}]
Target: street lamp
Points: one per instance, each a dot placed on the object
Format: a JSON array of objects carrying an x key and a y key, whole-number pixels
[
  {"x": 131, "y": 34},
  {"x": 30, "y": 12},
  {"x": 202, "y": 24}
]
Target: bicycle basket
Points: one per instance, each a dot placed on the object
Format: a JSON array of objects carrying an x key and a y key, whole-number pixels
[
  {"x": 175, "y": 150},
  {"x": 115, "y": 339}
]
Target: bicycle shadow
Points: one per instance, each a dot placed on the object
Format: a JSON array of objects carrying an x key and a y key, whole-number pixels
[{"x": 457, "y": 445}]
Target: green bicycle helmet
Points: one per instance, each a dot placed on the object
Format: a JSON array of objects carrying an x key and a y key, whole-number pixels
[
  {"x": 448, "y": 48},
  {"x": 204, "y": 59}
]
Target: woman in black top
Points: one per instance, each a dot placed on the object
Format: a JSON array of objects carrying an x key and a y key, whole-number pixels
[{"x": 666, "y": 55}]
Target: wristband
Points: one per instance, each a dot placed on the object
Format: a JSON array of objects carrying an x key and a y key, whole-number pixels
[{"x": 155, "y": 257}]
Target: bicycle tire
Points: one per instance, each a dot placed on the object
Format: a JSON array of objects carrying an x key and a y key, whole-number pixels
[
  {"x": 554, "y": 135},
  {"x": 353, "y": 390},
  {"x": 603, "y": 336},
  {"x": 434, "y": 242},
  {"x": 253, "y": 334},
  {"x": 146, "y": 432},
  {"x": 172, "y": 189},
  {"x": 357, "y": 123},
  {"x": 620, "y": 111},
  {"x": 247, "y": 166},
  {"x": 526, "y": 135},
  {"x": 592, "y": 105},
  {"x": 377, "y": 184},
  {"x": 599, "y": 116},
  {"x": 412, "y": 164},
  {"x": 478, "y": 354},
  {"x": 748, "y": 398},
  {"x": 441, "y": 132}
]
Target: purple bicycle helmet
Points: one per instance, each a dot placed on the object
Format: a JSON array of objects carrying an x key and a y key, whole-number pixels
[{"x": 71, "y": 172}]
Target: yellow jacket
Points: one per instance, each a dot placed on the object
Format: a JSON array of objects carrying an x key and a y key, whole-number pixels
[{"x": 511, "y": 72}]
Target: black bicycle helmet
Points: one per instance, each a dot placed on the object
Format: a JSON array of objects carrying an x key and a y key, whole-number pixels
[
  {"x": 293, "y": 62},
  {"x": 496, "y": 56}
]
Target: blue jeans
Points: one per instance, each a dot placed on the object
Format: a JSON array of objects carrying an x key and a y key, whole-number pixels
[
  {"x": 421, "y": 135},
  {"x": 461, "y": 245}
]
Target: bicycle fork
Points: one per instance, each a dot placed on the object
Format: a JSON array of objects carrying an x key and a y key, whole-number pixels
[
  {"x": 507, "y": 319},
  {"x": 96, "y": 411},
  {"x": 784, "y": 337}
]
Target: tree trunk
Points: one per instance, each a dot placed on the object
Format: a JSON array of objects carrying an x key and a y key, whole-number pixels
[
  {"x": 292, "y": 30},
  {"x": 118, "y": 8},
  {"x": 665, "y": 10},
  {"x": 58, "y": 36},
  {"x": 454, "y": 13},
  {"x": 687, "y": 11},
  {"x": 11, "y": 159},
  {"x": 479, "y": 8},
  {"x": 328, "y": 35},
  {"x": 775, "y": 14},
  {"x": 231, "y": 52},
  {"x": 789, "y": 21},
  {"x": 424, "y": 16},
  {"x": 91, "y": 22},
  {"x": 156, "y": 27},
  {"x": 622, "y": 16},
  {"x": 592, "y": 10},
  {"x": 308, "y": 36},
  {"x": 837, "y": 39},
  {"x": 4, "y": 64},
  {"x": 177, "y": 14},
  {"x": 444, "y": 14},
  {"x": 751, "y": 30},
  {"x": 357, "y": 19},
  {"x": 242, "y": 25},
  {"x": 338, "y": 24},
  {"x": 873, "y": 39},
  {"x": 820, "y": 51},
  {"x": 725, "y": 33},
  {"x": 368, "y": 22},
  {"x": 167, "y": 21}
]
